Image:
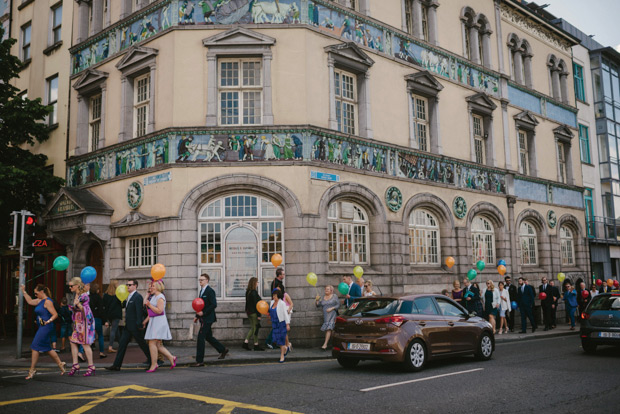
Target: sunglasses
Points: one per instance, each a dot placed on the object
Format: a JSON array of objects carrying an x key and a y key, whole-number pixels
[
  {"x": 71, "y": 286},
  {"x": 131, "y": 284}
]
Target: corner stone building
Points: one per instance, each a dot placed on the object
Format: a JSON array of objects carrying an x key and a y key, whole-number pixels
[{"x": 209, "y": 135}]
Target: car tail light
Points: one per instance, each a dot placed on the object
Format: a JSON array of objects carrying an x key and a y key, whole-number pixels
[
  {"x": 387, "y": 351},
  {"x": 340, "y": 319},
  {"x": 337, "y": 348},
  {"x": 585, "y": 316},
  {"x": 394, "y": 320}
]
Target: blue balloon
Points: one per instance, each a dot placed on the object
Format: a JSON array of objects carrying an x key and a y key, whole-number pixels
[
  {"x": 501, "y": 262},
  {"x": 514, "y": 305},
  {"x": 88, "y": 274}
]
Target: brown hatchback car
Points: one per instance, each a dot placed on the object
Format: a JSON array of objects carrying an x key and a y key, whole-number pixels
[{"x": 410, "y": 329}]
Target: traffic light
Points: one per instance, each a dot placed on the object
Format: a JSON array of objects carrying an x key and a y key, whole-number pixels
[
  {"x": 30, "y": 223},
  {"x": 14, "y": 230}
]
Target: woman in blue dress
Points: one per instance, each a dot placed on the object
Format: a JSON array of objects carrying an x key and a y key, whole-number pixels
[
  {"x": 277, "y": 312},
  {"x": 46, "y": 314}
]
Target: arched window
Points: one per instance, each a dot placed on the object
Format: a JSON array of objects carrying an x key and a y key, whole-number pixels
[
  {"x": 347, "y": 227},
  {"x": 567, "y": 246},
  {"x": 558, "y": 74},
  {"x": 476, "y": 31},
  {"x": 482, "y": 240},
  {"x": 520, "y": 59},
  {"x": 529, "y": 246},
  {"x": 423, "y": 238},
  {"x": 238, "y": 234}
]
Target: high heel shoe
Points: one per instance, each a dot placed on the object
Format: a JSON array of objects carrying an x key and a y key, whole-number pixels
[
  {"x": 63, "y": 368},
  {"x": 152, "y": 370},
  {"x": 31, "y": 374},
  {"x": 75, "y": 369},
  {"x": 174, "y": 362},
  {"x": 90, "y": 371}
]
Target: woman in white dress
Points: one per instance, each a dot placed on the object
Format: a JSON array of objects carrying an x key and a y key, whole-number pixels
[
  {"x": 158, "y": 329},
  {"x": 504, "y": 307}
]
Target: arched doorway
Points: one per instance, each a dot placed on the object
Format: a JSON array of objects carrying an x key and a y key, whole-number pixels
[{"x": 94, "y": 258}]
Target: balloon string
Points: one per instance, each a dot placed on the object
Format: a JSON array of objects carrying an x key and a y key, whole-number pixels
[{"x": 39, "y": 275}]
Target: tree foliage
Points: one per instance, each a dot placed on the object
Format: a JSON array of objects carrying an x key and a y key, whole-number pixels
[{"x": 24, "y": 180}]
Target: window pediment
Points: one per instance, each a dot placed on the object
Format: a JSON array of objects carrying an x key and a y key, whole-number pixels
[
  {"x": 424, "y": 82},
  {"x": 238, "y": 37},
  {"x": 136, "y": 56},
  {"x": 482, "y": 101},
  {"x": 527, "y": 118},
  {"x": 350, "y": 52},
  {"x": 91, "y": 79},
  {"x": 563, "y": 133}
]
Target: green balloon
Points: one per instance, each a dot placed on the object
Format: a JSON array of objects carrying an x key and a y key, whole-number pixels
[
  {"x": 471, "y": 275},
  {"x": 61, "y": 263},
  {"x": 480, "y": 265},
  {"x": 343, "y": 288}
]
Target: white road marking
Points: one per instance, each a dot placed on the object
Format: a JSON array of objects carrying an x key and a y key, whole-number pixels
[{"x": 420, "y": 379}]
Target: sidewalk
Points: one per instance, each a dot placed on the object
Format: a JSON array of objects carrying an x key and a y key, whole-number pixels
[{"x": 237, "y": 355}]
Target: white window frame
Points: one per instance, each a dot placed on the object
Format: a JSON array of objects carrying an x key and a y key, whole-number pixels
[
  {"x": 348, "y": 100},
  {"x": 424, "y": 238},
  {"x": 52, "y": 99},
  {"x": 355, "y": 250},
  {"x": 26, "y": 48},
  {"x": 421, "y": 121},
  {"x": 479, "y": 139},
  {"x": 482, "y": 240},
  {"x": 241, "y": 89},
  {"x": 561, "y": 162},
  {"x": 56, "y": 27},
  {"x": 214, "y": 219},
  {"x": 142, "y": 99},
  {"x": 467, "y": 43},
  {"x": 140, "y": 252},
  {"x": 523, "y": 151},
  {"x": 529, "y": 244},
  {"x": 425, "y": 22},
  {"x": 567, "y": 246},
  {"x": 94, "y": 121}
]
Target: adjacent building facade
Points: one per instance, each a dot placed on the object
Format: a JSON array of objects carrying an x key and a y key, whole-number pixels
[{"x": 210, "y": 135}]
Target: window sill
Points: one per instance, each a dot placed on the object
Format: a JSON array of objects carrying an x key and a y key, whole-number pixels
[
  {"x": 48, "y": 51},
  {"x": 53, "y": 126},
  {"x": 25, "y": 63},
  {"x": 587, "y": 163},
  {"x": 583, "y": 102},
  {"x": 424, "y": 269},
  {"x": 347, "y": 269},
  {"x": 24, "y": 3}
]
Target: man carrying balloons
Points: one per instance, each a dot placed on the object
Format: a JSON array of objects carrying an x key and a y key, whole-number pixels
[{"x": 206, "y": 317}]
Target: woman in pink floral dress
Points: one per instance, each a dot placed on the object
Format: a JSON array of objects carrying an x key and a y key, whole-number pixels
[{"x": 83, "y": 327}]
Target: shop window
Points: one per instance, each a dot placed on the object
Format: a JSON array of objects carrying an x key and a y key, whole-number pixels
[{"x": 347, "y": 229}]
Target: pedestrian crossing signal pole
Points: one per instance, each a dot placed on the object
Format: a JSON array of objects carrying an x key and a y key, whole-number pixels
[{"x": 25, "y": 214}]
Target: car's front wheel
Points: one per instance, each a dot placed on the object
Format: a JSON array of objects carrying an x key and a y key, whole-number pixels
[
  {"x": 485, "y": 347},
  {"x": 415, "y": 358},
  {"x": 588, "y": 346},
  {"x": 348, "y": 363}
]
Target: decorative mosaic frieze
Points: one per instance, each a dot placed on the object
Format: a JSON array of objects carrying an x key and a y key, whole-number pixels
[
  {"x": 324, "y": 16},
  {"x": 541, "y": 106},
  {"x": 533, "y": 28},
  {"x": 249, "y": 146},
  {"x": 545, "y": 192}
]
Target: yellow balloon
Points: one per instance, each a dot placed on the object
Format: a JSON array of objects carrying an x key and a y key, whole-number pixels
[
  {"x": 561, "y": 277},
  {"x": 121, "y": 293},
  {"x": 311, "y": 278},
  {"x": 358, "y": 271}
]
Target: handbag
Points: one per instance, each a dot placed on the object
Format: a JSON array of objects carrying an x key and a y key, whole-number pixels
[{"x": 152, "y": 314}]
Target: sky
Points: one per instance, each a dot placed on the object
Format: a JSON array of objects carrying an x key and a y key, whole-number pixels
[{"x": 598, "y": 17}]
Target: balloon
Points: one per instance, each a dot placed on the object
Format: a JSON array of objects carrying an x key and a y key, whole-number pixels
[
  {"x": 610, "y": 282},
  {"x": 514, "y": 305},
  {"x": 262, "y": 307},
  {"x": 543, "y": 295},
  {"x": 501, "y": 269},
  {"x": 311, "y": 278},
  {"x": 449, "y": 262},
  {"x": 61, "y": 263},
  {"x": 358, "y": 271},
  {"x": 616, "y": 283},
  {"x": 198, "y": 304},
  {"x": 501, "y": 262},
  {"x": 599, "y": 282},
  {"x": 276, "y": 260},
  {"x": 480, "y": 265},
  {"x": 585, "y": 293},
  {"x": 121, "y": 293},
  {"x": 88, "y": 274},
  {"x": 158, "y": 271},
  {"x": 561, "y": 277},
  {"x": 343, "y": 288},
  {"x": 471, "y": 275}
]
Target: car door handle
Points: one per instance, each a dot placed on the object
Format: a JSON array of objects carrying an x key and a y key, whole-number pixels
[
  {"x": 451, "y": 323},
  {"x": 422, "y": 323}
]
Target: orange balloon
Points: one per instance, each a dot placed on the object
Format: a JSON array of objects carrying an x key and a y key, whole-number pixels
[
  {"x": 501, "y": 269},
  {"x": 449, "y": 262},
  {"x": 262, "y": 307},
  {"x": 610, "y": 282},
  {"x": 158, "y": 271},
  {"x": 276, "y": 260}
]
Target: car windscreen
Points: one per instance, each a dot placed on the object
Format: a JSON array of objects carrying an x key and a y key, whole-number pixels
[
  {"x": 372, "y": 307},
  {"x": 605, "y": 303}
]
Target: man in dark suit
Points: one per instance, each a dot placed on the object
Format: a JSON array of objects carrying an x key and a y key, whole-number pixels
[
  {"x": 207, "y": 318},
  {"x": 512, "y": 292},
  {"x": 134, "y": 326},
  {"x": 555, "y": 292},
  {"x": 278, "y": 282},
  {"x": 604, "y": 288},
  {"x": 547, "y": 302},
  {"x": 471, "y": 298},
  {"x": 354, "y": 290},
  {"x": 525, "y": 299}
]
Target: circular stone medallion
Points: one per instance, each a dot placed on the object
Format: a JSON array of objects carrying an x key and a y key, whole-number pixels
[
  {"x": 552, "y": 219},
  {"x": 135, "y": 195},
  {"x": 459, "y": 206},
  {"x": 393, "y": 198}
]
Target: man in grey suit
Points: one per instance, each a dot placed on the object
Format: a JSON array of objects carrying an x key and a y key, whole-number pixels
[
  {"x": 134, "y": 327},
  {"x": 206, "y": 318}
]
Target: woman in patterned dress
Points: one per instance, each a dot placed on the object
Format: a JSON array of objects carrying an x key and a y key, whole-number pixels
[
  {"x": 83, "y": 327},
  {"x": 330, "y": 304}
]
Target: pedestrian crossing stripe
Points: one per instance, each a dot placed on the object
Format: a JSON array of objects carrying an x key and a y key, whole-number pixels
[{"x": 101, "y": 395}]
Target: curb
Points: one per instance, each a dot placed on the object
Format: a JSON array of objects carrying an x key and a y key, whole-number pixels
[{"x": 522, "y": 337}]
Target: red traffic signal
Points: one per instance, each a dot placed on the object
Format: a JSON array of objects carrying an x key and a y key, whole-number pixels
[{"x": 30, "y": 220}]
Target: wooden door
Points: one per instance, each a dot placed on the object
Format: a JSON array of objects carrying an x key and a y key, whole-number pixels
[{"x": 94, "y": 258}]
